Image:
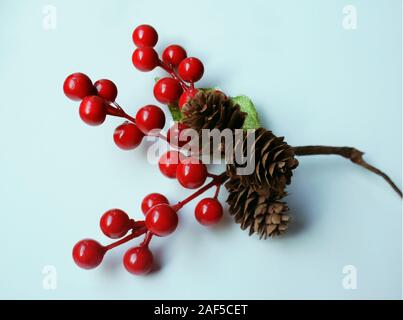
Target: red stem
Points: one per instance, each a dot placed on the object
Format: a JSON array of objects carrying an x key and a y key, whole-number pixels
[
  {"x": 217, "y": 191},
  {"x": 134, "y": 225},
  {"x": 129, "y": 118},
  {"x": 116, "y": 105},
  {"x": 173, "y": 74},
  {"x": 147, "y": 239},
  {"x": 217, "y": 180},
  {"x": 134, "y": 234},
  {"x": 114, "y": 109}
]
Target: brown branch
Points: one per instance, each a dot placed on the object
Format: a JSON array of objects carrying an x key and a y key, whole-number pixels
[{"x": 347, "y": 152}]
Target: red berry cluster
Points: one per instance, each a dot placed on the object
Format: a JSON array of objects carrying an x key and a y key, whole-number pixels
[
  {"x": 161, "y": 218},
  {"x": 182, "y": 69}
]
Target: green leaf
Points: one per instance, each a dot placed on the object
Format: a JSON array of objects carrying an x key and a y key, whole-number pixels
[
  {"x": 246, "y": 105},
  {"x": 175, "y": 112}
]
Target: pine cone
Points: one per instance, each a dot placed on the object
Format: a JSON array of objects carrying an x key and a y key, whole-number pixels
[
  {"x": 263, "y": 214},
  {"x": 274, "y": 161},
  {"x": 212, "y": 110}
]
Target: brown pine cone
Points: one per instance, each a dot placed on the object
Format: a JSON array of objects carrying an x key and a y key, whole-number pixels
[
  {"x": 212, "y": 110},
  {"x": 262, "y": 213},
  {"x": 274, "y": 161}
]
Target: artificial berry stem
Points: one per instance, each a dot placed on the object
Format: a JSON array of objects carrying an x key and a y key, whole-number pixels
[
  {"x": 217, "y": 180},
  {"x": 136, "y": 224},
  {"x": 114, "y": 109},
  {"x": 134, "y": 234},
  {"x": 126, "y": 116},
  {"x": 116, "y": 105},
  {"x": 217, "y": 191},
  {"x": 173, "y": 74},
  {"x": 147, "y": 239}
]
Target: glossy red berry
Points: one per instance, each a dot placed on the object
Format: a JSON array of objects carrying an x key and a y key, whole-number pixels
[
  {"x": 208, "y": 211},
  {"x": 145, "y": 59},
  {"x": 186, "y": 96},
  {"x": 191, "y": 173},
  {"x": 150, "y": 118},
  {"x": 93, "y": 110},
  {"x": 138, "y": 260},
  {"x": 152, "y": 200},
  {"x": 191, "y": 70},
  {"x": 115, "y": 223},
  {"x": 167, "y": 90},
  {"x": 145, "y": 36},
  {"x": 88, "y": 253},
  {"x": 77, "y": 86},
  {"x": 161, "y": 220},
  {"x": 106, "y": 89},
  {"x": 168, "y": 163},
  {"x": 176, "y": 135},
  {"x": 173, "y": 55},
  {"x": 128, "y": 136}
]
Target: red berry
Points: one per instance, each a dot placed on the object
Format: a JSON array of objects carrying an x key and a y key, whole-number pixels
[
  {"x": 186, "y": 96},
  {"x": 93, "y": 110},
  {"x": 127, "y": 136},
  {"x": 149, "y": 118},
  {"x": 209, "y": 211},
  {"x": 167, "y": 90},
  {"x": 138, "y": 260},
  {"x": 176, "y": 135},
  {"x": 152, "y": 200},
  {"x": 77, "y": 86},
  {"x": 168, "y": 163},
  {"x": 106, "y": 89},
  {"x": 88, "y": 253},
  {"x": 115, "y": 223},
  {"x": 191, "y": 69},
  {"x": 145, "y": 36},
  {"x": 173, "y": 55},
  {"x": 191, "y": 173},
  {"x": 145, "y": 59},
  {"x": 161, "y": 220}
]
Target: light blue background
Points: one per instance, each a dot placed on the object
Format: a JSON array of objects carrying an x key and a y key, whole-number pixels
[{"x": 312, "y": 81}]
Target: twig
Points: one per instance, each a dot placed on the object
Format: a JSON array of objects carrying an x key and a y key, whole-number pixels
[{"x": 349, "y": 153}]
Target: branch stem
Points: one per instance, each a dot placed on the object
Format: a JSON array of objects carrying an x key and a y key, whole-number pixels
[
  {"x": 113, "y": 109},
  {"x": 134, "y": 234},
  {"x": 173, "y": 74},
  {"x": 217, "y": 180},
  {"x": 147, "y": 239},
  {"x": 353, "y": 154}
]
